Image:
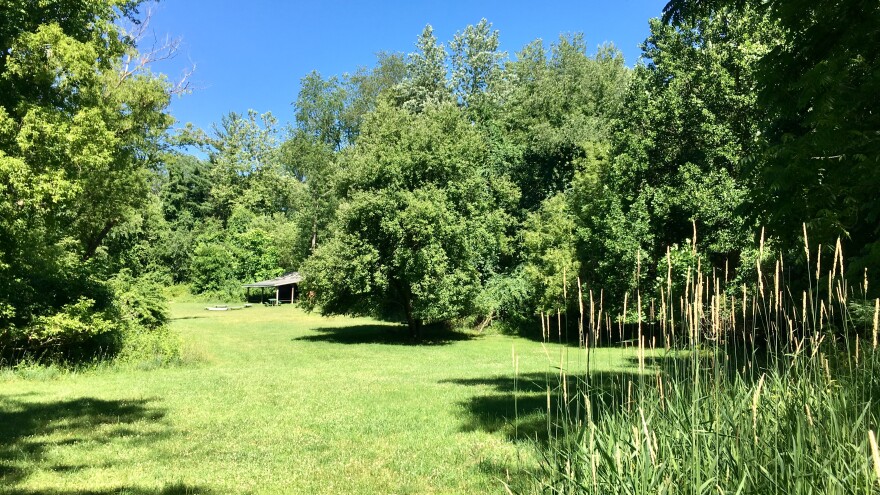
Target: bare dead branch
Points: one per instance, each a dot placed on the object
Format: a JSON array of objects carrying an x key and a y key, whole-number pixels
[{"x": 160, "y": 49}]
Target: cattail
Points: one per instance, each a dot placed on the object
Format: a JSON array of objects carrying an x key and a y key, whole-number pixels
[
  {"x": 776, "y": 291},
  {"x": 629, "y": 393},
  {"x": 875, "y": 453},
  {"x": 548, "y": 404},
  {"x": 637, "y": 441},
  {"x": 804, "y": 309},
  {"x": 827, "y": 369},
  {"x": 559, "y": 322},
  {"x": 581, "y": 308},
  {"x": 595, "y": 467},
  {"x": 839, "y": 250},
  {"x": 806, "y": 245},
  {"x": 618, "y": 459},
  {"x": 662, "y": 392},
  {"x": 857, "y": 349},
  {"x": 648, "y": 437},
  {"x": 760, "y": 279},
  {"x": 876, "y": 314},
  {"x": 564, "y": 285},
  {"x": 641, "y": 346},
  {"x": 755, "y": 399},
  {"x": 761, "y": 247},
  {"x": 638, "y": 265}
]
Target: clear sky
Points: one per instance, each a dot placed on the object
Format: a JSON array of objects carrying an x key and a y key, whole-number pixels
[{"x": 253, "y": 54}]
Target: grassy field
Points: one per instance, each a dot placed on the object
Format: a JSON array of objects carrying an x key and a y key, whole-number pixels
[{"x": 273, "y": 400}]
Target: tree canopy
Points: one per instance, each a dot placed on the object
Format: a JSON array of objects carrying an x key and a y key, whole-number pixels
[
  {"x": 80, "y": 130},
  {"x": 455, "y": 183}
]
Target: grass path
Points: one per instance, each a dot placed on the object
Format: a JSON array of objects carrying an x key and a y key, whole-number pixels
[{"x": 283, "y": 402}]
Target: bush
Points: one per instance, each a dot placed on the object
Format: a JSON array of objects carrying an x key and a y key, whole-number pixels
[
  {"x": 134, "y": 321},
  {"x": 78, "y": 331},
  {"x": 150, "y": 349},
  {"x": 213, "y": 268},
  {"x": 140, "y": 301}
]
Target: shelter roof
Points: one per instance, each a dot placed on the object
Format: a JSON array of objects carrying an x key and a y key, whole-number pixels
[{"x": 286, "y": 279}]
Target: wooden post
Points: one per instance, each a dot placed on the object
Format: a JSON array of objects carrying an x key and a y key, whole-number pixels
[{"x": 277, "y": 296}]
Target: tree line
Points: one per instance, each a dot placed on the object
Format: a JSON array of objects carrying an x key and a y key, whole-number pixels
[{"x": 453, "y": 183}]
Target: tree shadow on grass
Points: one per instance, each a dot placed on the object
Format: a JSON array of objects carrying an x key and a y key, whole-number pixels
[
  {"x": 384, "y": 334},
  {"x": 27, "y": 429},
  {"x": 518, "y": 408},
  {"x": 173, "y": 489},
  {"x": 186, "y": 318}
]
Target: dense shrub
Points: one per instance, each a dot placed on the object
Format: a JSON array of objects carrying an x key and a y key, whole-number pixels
[{"x": 213, "y": 268}]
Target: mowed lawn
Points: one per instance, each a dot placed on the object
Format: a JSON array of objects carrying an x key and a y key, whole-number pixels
[{"x": 274, "y": 400}]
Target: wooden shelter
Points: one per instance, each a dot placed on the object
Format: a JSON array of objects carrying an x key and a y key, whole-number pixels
[{"x": 286, "y": 288}]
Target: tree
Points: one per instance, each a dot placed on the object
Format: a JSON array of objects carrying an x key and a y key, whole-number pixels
[
  {"x": 476, "y": 67},
  {"x": 319, "y": 110},
  {"x": 550, "y": 253},
  {"x": 689, "y": 118},
  {"x": 245, "y": 166},
  {"x": 79, "y": 133},
  {"x": 557, "y": 104},
  {"x": 420, "y": 227},
  {"x": 819, "y": 151},
  {"x": 367, "y": 86},
  {"x": 426, "y": 82}
]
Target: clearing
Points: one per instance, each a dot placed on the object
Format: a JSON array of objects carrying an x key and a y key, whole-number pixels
[{"x": 280, "y": 401}]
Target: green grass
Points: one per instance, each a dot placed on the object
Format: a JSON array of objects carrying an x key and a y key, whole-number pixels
[{"x": 273, "y": 400}]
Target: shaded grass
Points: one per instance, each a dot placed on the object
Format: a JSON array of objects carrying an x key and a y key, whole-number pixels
[
  {"x": 384, "y": 334},
  {"x": 280, "y": 401}
]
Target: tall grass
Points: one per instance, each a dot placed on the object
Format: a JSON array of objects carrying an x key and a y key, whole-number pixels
[{"x": 749, "y": 389}]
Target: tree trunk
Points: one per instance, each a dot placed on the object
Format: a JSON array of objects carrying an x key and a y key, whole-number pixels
[
  {"x": 315, "y": 228},
  {"x": 414, "y": 324},
  {"x": 93, "y": 245}
]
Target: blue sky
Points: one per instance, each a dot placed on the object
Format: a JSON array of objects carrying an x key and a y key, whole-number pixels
[{"x": 253, "y": 54}]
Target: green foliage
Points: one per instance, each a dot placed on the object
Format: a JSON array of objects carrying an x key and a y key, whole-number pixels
[
  {"x": 549, "y": 249},
  {"x": 687, "y": 120},
  {"x": 71, "y": 325},
  {"x": 800, "y": 436},
  {"x": 150, "y": 349},
  {"x": 213, "y": 268},
  {"x": 476, "y": 68},
  {"x": 420, "y": 227},
  {"x": 77, "y": 136},
  {"x": 509, "y": 299},
  {"x": 425, "y": 84},
  {"x": 559, "y": 104},
  {"x": 140, "y": 301},
  {"x": 823, "y": 132},
  {"x": 818, "y": 86}
]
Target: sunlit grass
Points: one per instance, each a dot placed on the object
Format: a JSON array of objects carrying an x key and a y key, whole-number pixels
[{"x": 273, "y": 400}]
